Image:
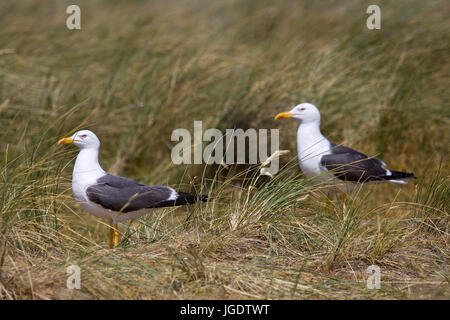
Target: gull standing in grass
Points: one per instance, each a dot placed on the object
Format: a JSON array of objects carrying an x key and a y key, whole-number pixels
[
  {"x": 113, "y": 197},
  {"x": 324, "y": 160}
]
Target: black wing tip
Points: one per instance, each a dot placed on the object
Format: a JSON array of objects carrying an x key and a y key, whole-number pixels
[
  {"x": 188, "y": 198},
  {"x": 401, "y": 175}
]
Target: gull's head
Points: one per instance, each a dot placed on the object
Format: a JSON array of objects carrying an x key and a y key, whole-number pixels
[
  {"x": 303, "y": 112},
  {"x": 83, "y": 139}
]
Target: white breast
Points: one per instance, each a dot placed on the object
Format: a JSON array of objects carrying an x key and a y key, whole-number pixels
[
  {"x": 311, "y": 146},
  {"x": 79, "y": 187},
  {"x": 85, "y": 174}
]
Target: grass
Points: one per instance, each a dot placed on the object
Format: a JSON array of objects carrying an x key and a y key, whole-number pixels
[{"x": 138, "y": 70}]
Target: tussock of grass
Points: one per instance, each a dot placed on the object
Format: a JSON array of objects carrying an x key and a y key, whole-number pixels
[{"x": 137, "y": 71}]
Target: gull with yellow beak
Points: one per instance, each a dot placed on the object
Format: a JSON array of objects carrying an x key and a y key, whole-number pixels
[
  {"x": 115, "y": 198},
  {"x": 324, "y": 160}
]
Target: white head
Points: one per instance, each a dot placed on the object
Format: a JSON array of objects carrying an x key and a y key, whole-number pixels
[
  {"x": 83, "y": 139},
  {"x": 303, "y": 112}
]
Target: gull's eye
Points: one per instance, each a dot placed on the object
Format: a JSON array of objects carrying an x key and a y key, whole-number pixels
[
  {"x": 84, "y": 136},
  {"x": 302, "y": 109}
]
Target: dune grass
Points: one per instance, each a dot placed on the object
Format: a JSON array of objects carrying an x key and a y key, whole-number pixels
[{"x": 138, "y": 70}]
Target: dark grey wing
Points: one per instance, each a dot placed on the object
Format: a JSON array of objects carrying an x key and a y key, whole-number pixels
[
  {"x": 125, "y": 195},
  {"x": 350, "y": 165}
]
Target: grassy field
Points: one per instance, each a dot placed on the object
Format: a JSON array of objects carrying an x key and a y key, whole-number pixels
[{"x": 138, "y": 70}]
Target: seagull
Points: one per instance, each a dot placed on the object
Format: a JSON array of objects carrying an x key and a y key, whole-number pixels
[
  {"x": 115, "y": 198},
  {"x": 326, "y": 161}
]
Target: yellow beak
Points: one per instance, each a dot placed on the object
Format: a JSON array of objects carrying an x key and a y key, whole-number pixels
[
  {"x": 65, "y": 141},
  {"x": 283, "y": 115}
]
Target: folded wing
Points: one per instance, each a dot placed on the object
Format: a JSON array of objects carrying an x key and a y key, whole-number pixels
[
  {"x": 350, "y": 165},
  {"x": 125, "y": 195}
]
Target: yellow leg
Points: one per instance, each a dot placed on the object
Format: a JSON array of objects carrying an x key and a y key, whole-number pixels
[
  {"x": 116, "y": 235},
  {"x": 111, "y": 236}
]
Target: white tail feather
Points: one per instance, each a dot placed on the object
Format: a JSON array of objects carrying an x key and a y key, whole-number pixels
[{"x": 398, "y": 181}]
